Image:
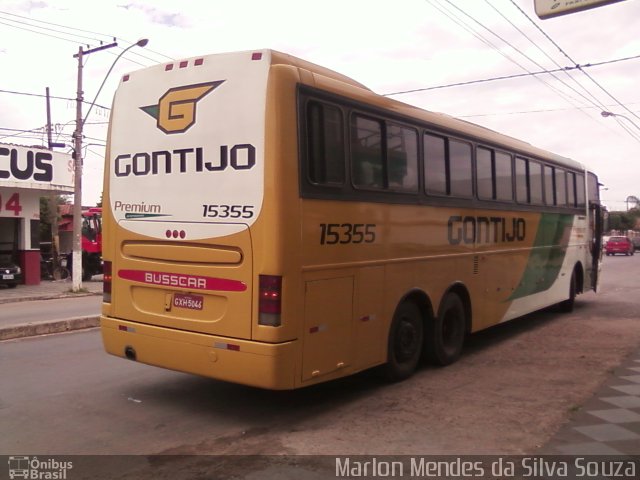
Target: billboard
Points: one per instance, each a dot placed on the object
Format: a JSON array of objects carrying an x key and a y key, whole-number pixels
[{"x": 554, "y": 8}]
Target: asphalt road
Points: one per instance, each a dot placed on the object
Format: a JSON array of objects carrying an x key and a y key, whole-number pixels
[
  {"x": 49, "y": 310},
  {"x": 62, "y": 395}
]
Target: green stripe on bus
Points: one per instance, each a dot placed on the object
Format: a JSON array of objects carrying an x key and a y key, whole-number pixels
[{"x": 547, "y": 254}]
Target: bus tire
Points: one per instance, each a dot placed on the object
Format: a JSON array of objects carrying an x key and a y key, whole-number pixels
[
  {"x": 566, "y": 306},
  {"x": 447, "y": 331},
  {"x": 405, "y": 342}
]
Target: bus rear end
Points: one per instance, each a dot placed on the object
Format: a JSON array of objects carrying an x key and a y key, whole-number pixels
[{"x": 184, "y": 186}]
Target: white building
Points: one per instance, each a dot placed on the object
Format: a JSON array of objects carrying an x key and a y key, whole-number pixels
[{"x": 26, "y": 174}]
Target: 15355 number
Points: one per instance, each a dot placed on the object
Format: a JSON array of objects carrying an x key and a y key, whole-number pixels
[{"x": 343, "y": 233}]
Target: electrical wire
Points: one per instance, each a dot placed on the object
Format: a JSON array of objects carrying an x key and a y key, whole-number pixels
[
  {"x": 13, "y": 92},
  {"x": 565, "y": 95},
  {"x": 593, "y": 100},
  {"x": 528, "y": 58},
  {"x": 507, "y": 77},
  {"x": 574, "y": 62},
  {"x": 107, "y": 36}
]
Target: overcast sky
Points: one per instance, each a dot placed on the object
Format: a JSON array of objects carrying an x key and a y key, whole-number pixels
[{"x": 388, "y": 46}]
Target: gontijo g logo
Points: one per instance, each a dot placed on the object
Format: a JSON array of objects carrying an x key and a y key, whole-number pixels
[{"x": 176, "y": 109}]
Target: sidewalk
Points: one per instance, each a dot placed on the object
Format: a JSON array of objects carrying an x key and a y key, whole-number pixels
[
  {"x": 47, "y": 290},
  {"x": 608, "y": 423}
]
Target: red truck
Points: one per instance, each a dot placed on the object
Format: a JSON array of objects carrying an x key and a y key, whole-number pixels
[{"x": 91, "y": 243}]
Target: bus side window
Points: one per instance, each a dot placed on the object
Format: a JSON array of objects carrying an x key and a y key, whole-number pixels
[
  {"x": 460, "y": 169},
  {"x": 504, "y": 177},
  {"x": 367, "y": 159},
  {"x": 561, "y": 187},
  {"x": 402, "y": 158},
  {"x": 484, "y": 173},
  {"x": 535, "y": 182},
  {"x": 571, "y": 189},
  {"x": 522, "y": 183},
  {"x": 326, "y": 144},
  {"x": 549, "y": 186},
  {"x": 435, "y": 168},
  {"x": 580, "y": 190}
]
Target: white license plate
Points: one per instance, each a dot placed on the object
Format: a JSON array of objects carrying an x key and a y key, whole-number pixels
[{"x": 7, "y": 277}]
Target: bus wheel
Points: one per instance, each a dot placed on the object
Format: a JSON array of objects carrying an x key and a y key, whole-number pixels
[
  {"x": 567, "y": 305},
  {"x": 405, "y": 342},
  {"x": 447, "y": 331}
]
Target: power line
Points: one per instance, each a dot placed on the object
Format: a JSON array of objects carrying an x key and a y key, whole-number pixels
[
  {"x": 507, "y": 77},
  {"x": 55, "y": 24},
  {"x": 107, "y": 36},
  {"x": 565, "y": 95},
  {"x": 521, "y": 112},
  {"x": 47, "y": 28},
  {"x": 574, "y": 62},
  {"x": 13, "y": 92},
  {"x": 566, "y": 72}
]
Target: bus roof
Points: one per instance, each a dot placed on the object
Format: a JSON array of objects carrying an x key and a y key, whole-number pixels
[{"x": 438, "y": 120}]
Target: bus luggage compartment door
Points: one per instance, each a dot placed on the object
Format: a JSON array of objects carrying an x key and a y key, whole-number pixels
[{"x": 327, "y": 331}]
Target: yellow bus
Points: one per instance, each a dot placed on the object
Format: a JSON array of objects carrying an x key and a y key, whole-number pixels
[{"x": 273, "y": 223}]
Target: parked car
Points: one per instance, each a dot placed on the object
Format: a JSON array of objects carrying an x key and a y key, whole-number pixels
[
  {"x": 619, "y": 245},
  {"x": 10, "y": 273}
]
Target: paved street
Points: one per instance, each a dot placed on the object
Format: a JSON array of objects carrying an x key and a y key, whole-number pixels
[{"x": 61, "y": 394}]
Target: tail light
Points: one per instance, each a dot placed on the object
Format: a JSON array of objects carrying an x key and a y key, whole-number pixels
[
  {"x": 106, "y": 282},
  {"x": 270, "y": 302}
]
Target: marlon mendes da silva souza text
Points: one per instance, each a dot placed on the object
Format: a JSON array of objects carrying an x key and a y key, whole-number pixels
[{"x": 541, "y": 467}]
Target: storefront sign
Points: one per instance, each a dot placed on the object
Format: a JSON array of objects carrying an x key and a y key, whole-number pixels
[{"x": 35, "y": 168}]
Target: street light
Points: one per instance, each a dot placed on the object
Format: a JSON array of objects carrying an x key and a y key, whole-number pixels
[
  {"x": 76, "y": 266},
  {"x": 611, "y": 114}
]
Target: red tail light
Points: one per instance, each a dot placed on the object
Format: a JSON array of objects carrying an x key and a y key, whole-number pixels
[
  {"x": 270, "y": 300},
  {"x": 106, "y": 282}
]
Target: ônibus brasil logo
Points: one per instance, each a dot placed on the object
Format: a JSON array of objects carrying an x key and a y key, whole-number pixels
[
  {"x": 38, "y": 469},
  {"x": 175, "y": 112}
]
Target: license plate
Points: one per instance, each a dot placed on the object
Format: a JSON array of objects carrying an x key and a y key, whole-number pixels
[
  {"x": 7, "y": 277},
  {"x": 192, "y": 302}
]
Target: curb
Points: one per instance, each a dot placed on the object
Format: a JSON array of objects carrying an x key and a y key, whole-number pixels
[
  {"x": 53, "y": 296},
  {"x": 57, "y": 326}
]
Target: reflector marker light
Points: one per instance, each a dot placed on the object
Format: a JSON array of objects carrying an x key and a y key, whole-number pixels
[
  {"x": 125, "y": 78},
  {"x": 175, "y": 234},
  {"x": 226, "y": 346},
  {"x": 183, "y": 64},
  {"x": 199, "y": 61},
  {"x": 124, "y": 328},
  {"x": 318, "y": 328},
  {"x": 168, "y": 67},
  {"x": 256, "y": 56}
]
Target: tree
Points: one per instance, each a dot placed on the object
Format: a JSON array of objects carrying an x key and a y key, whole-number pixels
[{"x": 623, "y": 221}]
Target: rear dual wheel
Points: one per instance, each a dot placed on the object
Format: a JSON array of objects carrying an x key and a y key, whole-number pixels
[
  {"x": 405, "y": 342},
  {"x": 447, "y": 331},
  {"x": 443, "y": 339}
]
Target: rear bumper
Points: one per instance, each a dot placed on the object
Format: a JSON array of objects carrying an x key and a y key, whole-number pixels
[{"x": 264, "y": 365}]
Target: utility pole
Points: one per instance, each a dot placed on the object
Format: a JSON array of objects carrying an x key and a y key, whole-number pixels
[
  {"x": 76, "y": 267},
  {"x": 52, "y": 199}
]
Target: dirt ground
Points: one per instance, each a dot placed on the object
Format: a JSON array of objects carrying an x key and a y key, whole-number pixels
[
  {"x": 511, "y": 391},
  {"x": 513, "y": 388}
]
